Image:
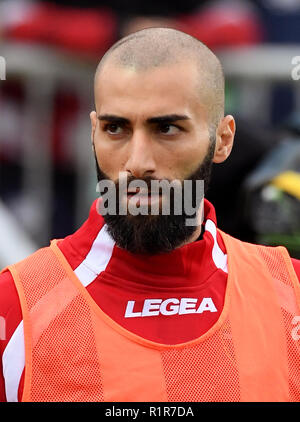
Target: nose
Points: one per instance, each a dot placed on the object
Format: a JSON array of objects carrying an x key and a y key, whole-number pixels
[{"x": 140, "y": 162}]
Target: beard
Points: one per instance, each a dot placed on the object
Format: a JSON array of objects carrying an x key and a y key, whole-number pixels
[{"x": 156, "y": 234}]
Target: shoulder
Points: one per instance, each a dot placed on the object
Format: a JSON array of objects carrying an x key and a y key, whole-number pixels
[
  {"x": 9, "y": 299},
  {"x": 296, "y": 265},
  {"x": 270, "y": 253}
]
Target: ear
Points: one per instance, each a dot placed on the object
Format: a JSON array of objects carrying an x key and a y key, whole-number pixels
[
  {"x": 224, "y": 139},
  {"x": 93, "y": 117}
]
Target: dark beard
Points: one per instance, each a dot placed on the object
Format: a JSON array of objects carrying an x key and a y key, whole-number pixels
[{"x": 155, "y": 234}]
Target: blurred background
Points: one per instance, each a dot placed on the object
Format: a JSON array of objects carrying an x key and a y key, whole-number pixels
[{"x": 51, "y": 49}]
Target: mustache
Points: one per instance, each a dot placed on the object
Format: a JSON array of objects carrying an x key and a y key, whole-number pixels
[{"x": 146, "y": 181}]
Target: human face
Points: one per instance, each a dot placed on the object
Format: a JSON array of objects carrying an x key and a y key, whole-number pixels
[
  {"x": 150, "y": 122},
  {"x": 151, "y": 125}
]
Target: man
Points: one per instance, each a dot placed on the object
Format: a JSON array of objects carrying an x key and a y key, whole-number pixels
[{"x": 148, "y": 307}]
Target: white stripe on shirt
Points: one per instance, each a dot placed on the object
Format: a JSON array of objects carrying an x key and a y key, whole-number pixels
[{"x": 218, "y": 256}]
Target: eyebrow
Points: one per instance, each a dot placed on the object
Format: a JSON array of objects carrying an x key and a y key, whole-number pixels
[
  {"x": 168, "y": 118},
  {"x": 113, "y": 119}
]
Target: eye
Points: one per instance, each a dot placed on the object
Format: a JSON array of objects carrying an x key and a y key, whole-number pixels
[
  {"x": 168, "y": 129},
  {"x": 113, "y": 129}
]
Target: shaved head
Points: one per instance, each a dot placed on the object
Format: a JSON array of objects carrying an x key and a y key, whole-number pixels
[{"x": 155, "y": 47}]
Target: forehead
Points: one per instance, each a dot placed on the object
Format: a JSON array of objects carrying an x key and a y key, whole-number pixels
[{"x": 163, "y": 89}]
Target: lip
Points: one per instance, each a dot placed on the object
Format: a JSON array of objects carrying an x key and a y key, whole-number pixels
[{"x": 144, "y": 198}]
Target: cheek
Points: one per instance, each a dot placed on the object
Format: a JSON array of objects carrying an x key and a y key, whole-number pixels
[
  {"x": 110, "y": 161},
  {"x": 188, "y": 161},
  {"x": 106, "y": 162}
]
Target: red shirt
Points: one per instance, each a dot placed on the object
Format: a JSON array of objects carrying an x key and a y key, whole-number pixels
[{"x": 168, "y": 298}]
